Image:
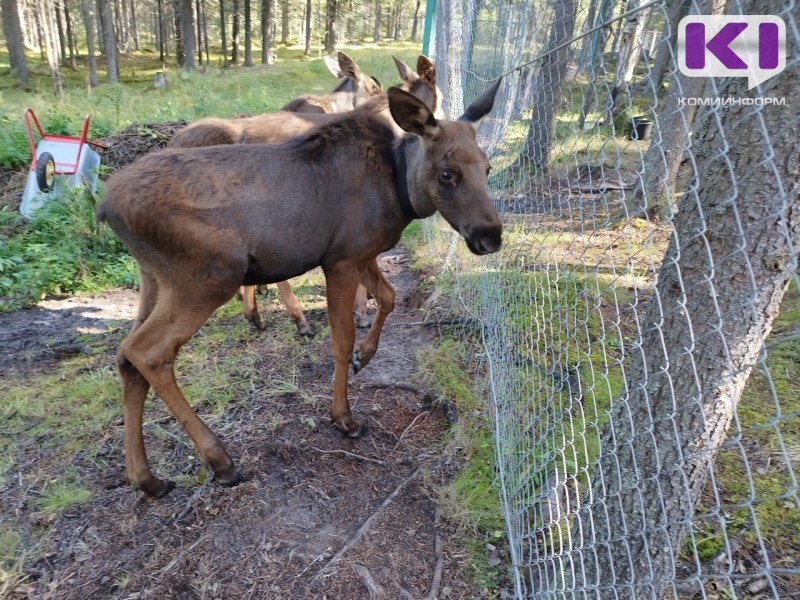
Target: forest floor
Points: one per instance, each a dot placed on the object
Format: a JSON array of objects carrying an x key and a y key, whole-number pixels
[{"x": 318, "y": 516}]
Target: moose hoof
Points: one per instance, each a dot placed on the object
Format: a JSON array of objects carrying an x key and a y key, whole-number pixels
[
  {"x": 258, "y": 324},
  {"x": 351, "y": 429},
  {"x": 157, "y": 488},
  {"x": 363, "y": 321},
  {"x": 359, "y": 431},
  {"x": 355, "y": 360},
  {"x": 306, "y": 330},
  {"x": 230, "y": 480}
]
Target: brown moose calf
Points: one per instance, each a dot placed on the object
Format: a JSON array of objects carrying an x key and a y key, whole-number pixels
[{"x": 203, "y": 221}]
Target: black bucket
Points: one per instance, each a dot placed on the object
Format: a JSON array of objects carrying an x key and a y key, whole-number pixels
[{"x": 641, "y": 128}]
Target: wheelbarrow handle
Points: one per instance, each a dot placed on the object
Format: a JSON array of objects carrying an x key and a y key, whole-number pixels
[{"x": 29, "y": 116}]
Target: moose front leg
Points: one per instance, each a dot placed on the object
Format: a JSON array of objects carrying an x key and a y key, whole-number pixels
[
  {"x": 341, "y": 283},
  {"x": 384, "y": 295}
]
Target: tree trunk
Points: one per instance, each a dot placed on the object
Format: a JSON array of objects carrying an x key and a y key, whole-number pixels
[
  {"x": 71, "y": 44},
  {"x": 109, "y": 41},
  {"x": 161, "y": 30},
  {"x": 99, "y": 22},
  {"x": 28, "y": 33},
  {"x": 285, "y": 22},
  {"x": 415, "y": 24},
  {"x": 248, "y": 36},
  {"x": 630, "y": 46},
  {"x": 205, "y": 30},
  {"x": 222, "y": 30},
  {"x": 266, "y": 32},
  {"x": 331, "y": 24},
  {"x": 47, "y": 18},
  {"x": 308, "y": 28},
  {"x": 134, "y": 26},
  {"x": 122, "y": 34},
  {"x": 594, "y": 60},
  {"x": 728, "y": 264},
  {"x": 377, "y": 32},
  {"x": 235, "y": 34},
  {"x": 14, "y": 42},
  {"x": 670, "y": 141},
  {"x": 89, "y": 27},
  {"x": 59, "y": 30},
  {"x": 398, "y": 23},
  {"x": 199, "y": 32},
  {"x": 547, "y": 94},
  {"x": 666, "y": 46},
  {"x": 185, "y": 15}
]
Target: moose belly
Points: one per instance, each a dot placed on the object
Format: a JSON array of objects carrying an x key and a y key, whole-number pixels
[{"x": 261, "y": 272}]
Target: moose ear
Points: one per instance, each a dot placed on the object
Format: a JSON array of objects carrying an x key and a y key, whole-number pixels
[
  {"x": 406, "y": 73},
  {"x": 425, "y": 69},
  {"x": 481, "y": 106},
  {"x": 349, "y": 67},
  {"x": 411, "y": 114},
  {"x": 333, "y": 66}
]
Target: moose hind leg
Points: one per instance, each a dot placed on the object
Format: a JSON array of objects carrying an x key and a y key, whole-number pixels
[
  {"x": 294, "y": 309},
  {"x": 250, "y": 306},
  {"x": 151, "y": 350},
  {"x": 384, "y": 295},
  {"x": 363, "y": 319}
]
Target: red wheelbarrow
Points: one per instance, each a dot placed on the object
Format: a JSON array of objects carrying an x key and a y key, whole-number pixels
[{"x": 59, "y": 162}]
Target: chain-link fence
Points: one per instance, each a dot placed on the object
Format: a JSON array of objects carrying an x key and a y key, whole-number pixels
[{"x": 640, "y": 324}]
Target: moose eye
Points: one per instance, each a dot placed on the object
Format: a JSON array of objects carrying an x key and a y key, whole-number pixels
[{"x": 447, "y": 175}]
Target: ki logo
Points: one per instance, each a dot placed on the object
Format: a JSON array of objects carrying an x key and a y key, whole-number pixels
[{"x": 752, "y": 46}]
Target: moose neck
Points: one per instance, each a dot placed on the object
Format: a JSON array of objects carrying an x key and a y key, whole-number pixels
[
  {"x": 408, "y": 157},
  {"x": 400, "y": 167}
]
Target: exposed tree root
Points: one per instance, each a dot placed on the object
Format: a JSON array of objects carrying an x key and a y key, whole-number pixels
[{"x": 368, "y": 523}]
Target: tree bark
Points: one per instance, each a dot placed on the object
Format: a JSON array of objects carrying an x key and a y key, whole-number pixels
[
  {"x": 235, "y": 34},
  {"x": 415, "y": 23},
  {"x": 308, "y": 28},
  {"x": 47, "y": 18},
  {"x": 547, "y": 94},
  {"x": 134, "y": 26},
  {"x": 109, "y": 41},
  {"x": 248, "y": 36},
  {"x": 199, "y": 32},
  {"x": 729, "y": 261},
  {"x": 14, "y": 42},
  {"x": 377, "y": 31},
  {"x": 222, "y": 30},
  {"x": 630, "y": 47},
  {"x": 89, "y": 27},
  {"x": 71, "y": 44},
  {"x": 59, "y": 32},
  {"x": 266, "y": 32},
  {"x": 285, "y": 22},
  {"x": 666, "y": 45},
  {"x": 331, "y": 25},
  {"x": 186, "y": 19}
]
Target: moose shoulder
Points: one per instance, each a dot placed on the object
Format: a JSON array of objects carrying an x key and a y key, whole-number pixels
[{"x": 203, "y": 221}]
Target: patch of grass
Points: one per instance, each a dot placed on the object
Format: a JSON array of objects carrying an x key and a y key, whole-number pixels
[
  {"x": 472, "y": 500},
  {"x": 61, "y": 250},
  {"x": 63, "y": 495},
  {"x": 66, "y": 411}
]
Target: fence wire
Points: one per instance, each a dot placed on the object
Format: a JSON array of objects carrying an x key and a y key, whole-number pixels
[{"x": 640, "y": 324}]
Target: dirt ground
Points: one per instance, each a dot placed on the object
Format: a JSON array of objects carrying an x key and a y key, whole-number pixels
[{"x": 319, "y": 515}]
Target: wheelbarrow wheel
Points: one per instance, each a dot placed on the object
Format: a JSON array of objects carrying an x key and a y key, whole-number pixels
[{"x": 45, "y": 171}]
